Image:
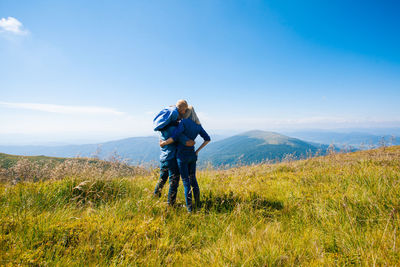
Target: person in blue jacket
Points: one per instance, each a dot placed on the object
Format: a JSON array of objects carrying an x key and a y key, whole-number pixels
[
  {"x": 187, "y": 155},
  {"x": 165, "y": 123}
]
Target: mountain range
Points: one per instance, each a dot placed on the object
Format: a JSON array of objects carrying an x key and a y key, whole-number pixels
[
  {"x": 246, "y": 148},
  {"x": 257, "y": 146},
  {"x": 359, "y": 140}
]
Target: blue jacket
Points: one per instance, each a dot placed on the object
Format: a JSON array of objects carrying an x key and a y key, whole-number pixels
[
  {"x": 167, "y": 152},
  {"x": 190, "y": 130},
  {"x": 165, "y": 117},
  {"x": 166, "y": 123}
]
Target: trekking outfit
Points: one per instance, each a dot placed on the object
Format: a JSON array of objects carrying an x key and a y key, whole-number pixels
[
  {"x": 166, "y": 123},
  {"x": 186, "y": 158}
]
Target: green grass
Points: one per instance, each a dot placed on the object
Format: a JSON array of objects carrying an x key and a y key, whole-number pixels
[
  {"x": 341, "y": 209},
  {"x": 7, "y": 161}
]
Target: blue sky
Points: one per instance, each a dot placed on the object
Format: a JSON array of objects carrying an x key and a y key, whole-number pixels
[{"x": 100, "y": 70}]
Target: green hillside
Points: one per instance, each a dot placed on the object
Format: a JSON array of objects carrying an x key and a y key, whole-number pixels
[
  {"x": 255, "y": 147},
  {"x": 136, "y": 149},
  {"x": 7, "y": 161},
  {"x": 341, "y": 209},
  {"x": 39, "y": 168}
]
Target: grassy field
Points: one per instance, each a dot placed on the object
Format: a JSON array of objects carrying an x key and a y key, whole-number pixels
[
  {"x": 341, "y": 209},
  {"x": 16, "y": 169}
]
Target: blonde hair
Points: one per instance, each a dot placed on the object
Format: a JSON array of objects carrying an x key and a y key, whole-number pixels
[
  {"x": 181, "y": 103},
  {"x": 191, "y": 114}
]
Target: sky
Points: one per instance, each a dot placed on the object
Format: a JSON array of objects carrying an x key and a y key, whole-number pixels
[{"x": 87, "y": 71}]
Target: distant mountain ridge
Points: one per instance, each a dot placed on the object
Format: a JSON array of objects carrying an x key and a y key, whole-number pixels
[
  {"x": 360, "y": 140},
  {"x": 137, "y": 149},
  {"x": 246, "y": 148},
  {"x": 255, "y": 147}
]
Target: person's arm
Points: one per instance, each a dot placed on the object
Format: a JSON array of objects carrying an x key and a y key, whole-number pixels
[
  {"x": 201, "y": 147},
  {"x": 188, "y": 142},
  {"x": 206, "y": 138},
  {"x": 166, "y": 142},
  {"x": 170, "y": 140},
  {"x": 183, "y": 139},
  {"x": 174, "y": 136}
]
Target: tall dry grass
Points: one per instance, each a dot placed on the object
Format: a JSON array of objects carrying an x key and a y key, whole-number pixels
[
  {"x": 27, "y": 169},
  {"x": 341, "y": 209}
]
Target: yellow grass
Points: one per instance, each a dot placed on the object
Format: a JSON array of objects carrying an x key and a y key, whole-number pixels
[{"x": 341, "y": 209}]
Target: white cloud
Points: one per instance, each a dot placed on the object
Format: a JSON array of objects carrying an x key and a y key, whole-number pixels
[
  {"x": 12, "y": 25},
  {"x": 62, "y": 108}
]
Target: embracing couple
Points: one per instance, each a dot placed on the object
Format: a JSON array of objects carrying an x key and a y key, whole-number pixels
[{"x": 178, "y": 127}]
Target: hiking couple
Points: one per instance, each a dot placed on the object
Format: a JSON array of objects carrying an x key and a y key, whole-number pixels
[{"x": 178, "y": 127}]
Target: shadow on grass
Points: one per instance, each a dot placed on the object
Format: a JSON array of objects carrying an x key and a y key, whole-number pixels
[{"x": 226, "y": 203}]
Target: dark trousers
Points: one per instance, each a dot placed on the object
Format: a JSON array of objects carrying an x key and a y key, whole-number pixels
[
  {"x": 169, "y": 169},
  {"x": 187, "y": 168}
]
